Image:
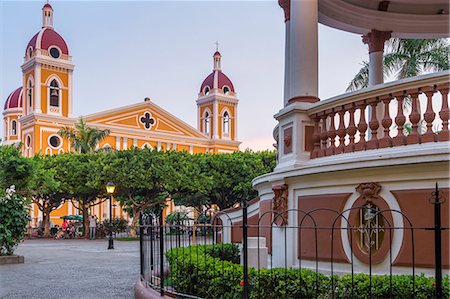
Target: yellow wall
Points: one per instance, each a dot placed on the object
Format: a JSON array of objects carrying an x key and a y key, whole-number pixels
[{"x": 64, "y": 78}]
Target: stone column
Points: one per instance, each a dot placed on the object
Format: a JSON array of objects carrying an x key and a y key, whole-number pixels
[
  {"x": 303, "y": 51},
  {"x": 375, "y": 40},
  {"x": 285, "y": 4}
]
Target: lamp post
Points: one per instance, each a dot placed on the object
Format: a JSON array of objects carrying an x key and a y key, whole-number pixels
[{"x": 110, "y": 187}]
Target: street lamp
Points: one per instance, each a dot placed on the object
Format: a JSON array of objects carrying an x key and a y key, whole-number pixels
[{"x": 110, "y": 187}]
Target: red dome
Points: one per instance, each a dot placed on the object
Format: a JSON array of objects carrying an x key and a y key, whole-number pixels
[
  {"x": 48, "y": 5},
  {"x": 222, "y": 81},
  {"x": 46, "y": 38},
  {"x": 14, "y": 100}
]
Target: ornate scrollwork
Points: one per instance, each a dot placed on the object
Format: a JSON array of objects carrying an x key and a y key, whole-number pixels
[{"x": 280, "y": 204}]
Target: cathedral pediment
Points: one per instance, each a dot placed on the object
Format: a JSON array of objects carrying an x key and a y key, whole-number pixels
[{"x": 146, "y": 117}]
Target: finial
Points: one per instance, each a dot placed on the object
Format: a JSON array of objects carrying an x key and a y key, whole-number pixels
[{"x": 217, "y": 45}]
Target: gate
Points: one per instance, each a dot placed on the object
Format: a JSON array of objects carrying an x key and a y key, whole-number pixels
[{"x": 189, "y": 259}]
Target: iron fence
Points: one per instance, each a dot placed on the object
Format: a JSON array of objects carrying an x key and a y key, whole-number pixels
[{"x": 195, "y": 260}]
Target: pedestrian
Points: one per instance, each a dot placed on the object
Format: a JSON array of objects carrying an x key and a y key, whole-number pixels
[{"x": 92, "y": 226}]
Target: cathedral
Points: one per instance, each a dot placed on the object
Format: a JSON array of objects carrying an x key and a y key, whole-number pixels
[{"x": 35, "y": 112}]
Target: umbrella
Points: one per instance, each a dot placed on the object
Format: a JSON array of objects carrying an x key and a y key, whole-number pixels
[{"x": 72, "y": 217}]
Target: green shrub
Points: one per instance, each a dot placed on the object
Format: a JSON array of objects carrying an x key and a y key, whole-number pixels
[
  {"x": 225, "y": 252},
  {"x": 14, "y": 217},
  {"x": 212, "y": 272}
]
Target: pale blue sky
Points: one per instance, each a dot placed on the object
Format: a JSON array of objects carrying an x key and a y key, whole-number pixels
[{"x": 125, "y": 51}]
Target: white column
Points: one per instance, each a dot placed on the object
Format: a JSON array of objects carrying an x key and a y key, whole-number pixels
[
  {"x": 375, "y": 40},
  {"x": 303, "y": 55},
  {"x": 37, "y": 88},
  {"x": 376, "y": 68},
  {"x": 287, "y": 62},
  {"x": 159, "y": 145},
  {"x": 69, "y": 95},
  {"x": 125, "y": 143},
  {"x": 235, "y": 123},
  {"x": 191, "y": 149},
  {"x": 135, "y": 142},
  {"x": 117, "y": 142},
  {"x": 215, "y": 120}
]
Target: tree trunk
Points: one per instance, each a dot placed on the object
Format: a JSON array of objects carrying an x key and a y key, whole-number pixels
[
  {"x": 84, "y": 209},
  {"x": 46, "y": 222},
  {"x": 135, "y": 221}
]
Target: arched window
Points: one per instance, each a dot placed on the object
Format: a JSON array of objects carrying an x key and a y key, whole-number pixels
[
  {"x": 207, "y": 123},
  {"x": 14, "y": 128},
  {"x": 226, "y": 90},
  {"x": 206, "y": 91},
  {"x": 226, "y": 123},
  {"x": 54, "y": 93},
  {"x": 30, "y": 95}
]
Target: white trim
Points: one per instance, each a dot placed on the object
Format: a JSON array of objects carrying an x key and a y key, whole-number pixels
[
  {"x": 222, "y": 113},
  {"x": 14, "y": 121},
  {"x": 60, "y": 91},
  {"x": 37, "y": 89},
  {"x": 117, "y": 142},
  {"x": 57, "y": 48},
  {"x": 125, "y": 143},
  {"x": 148, "y": 145},
  {"x": 203, "y": 128}
]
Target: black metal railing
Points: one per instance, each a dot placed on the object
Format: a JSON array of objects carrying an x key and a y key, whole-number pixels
[{"x": 188, "y": 259}]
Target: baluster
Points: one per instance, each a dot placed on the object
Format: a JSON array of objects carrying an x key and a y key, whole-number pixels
[
  {"x": 414, "y": 118},
  {"x": 400, "y": 120},
  {"x": 429, "y": 115},
  {"x": 362, "y": 127},
  {"x": 444, "y": 113},
  {"x": 386, "y": 122},
  {"x": 331, "y": 134},
  {"x": 341, "y": 132},
  {"x": 323, "y": 136},
  {"x": 316, "y": 136},
  {"x": 351, "y": 129},
  {"x": 374, "y": 124}
]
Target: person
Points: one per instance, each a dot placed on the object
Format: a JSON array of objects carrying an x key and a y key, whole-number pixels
[
  {"x": 92, "y": 226},
  {"x": 64, "y": 225}
]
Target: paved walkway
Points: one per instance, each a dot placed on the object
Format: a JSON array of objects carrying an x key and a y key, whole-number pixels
[{"x": 72, "y": 269}]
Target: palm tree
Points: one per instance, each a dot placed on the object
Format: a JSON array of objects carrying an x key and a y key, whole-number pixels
[
  {"x": 83, "y": 138},
  {"x": 408, "y": 58}
]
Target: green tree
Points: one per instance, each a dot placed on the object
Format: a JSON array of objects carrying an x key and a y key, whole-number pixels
[
  {"x": 83, "y": 138},
  {"x": 14, "y": 169},
  {"x": 405, "y": 58},
  {"x": 45, "y": 190},
  {"x": 80, "y": 176},
  {"x": 14, "y": 215},
  {"x": 230, "y": 177},
  {"x": 142, "y": 177}
]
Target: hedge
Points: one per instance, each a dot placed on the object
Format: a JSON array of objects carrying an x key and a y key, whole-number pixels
[{"x": 200, "y": 271}]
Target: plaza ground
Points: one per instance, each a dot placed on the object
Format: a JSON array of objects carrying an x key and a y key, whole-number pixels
[{"x": 72, "y": 269}]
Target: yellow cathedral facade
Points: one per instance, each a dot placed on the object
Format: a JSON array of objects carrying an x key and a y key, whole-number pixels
[{"x": 42, "y": 105}]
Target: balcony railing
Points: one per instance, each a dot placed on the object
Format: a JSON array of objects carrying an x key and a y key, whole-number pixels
[{"x": 404, "y": 112}]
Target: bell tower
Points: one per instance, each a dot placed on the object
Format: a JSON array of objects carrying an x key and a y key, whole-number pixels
[
  {"x": 47, "y": 71},
  {"x": 217, "y": 105}
]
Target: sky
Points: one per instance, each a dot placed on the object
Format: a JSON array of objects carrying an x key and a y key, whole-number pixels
[{"x": 124, "y": 51}]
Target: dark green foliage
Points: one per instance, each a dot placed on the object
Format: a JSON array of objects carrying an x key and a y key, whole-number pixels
[
  {"x": 194, "y": 271},
  {"x": 225, "y": 252},
  {"x": 206, "y": 271},
  {"x": 14, "y": 217},
  {"x": 14, "y": 169}
]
